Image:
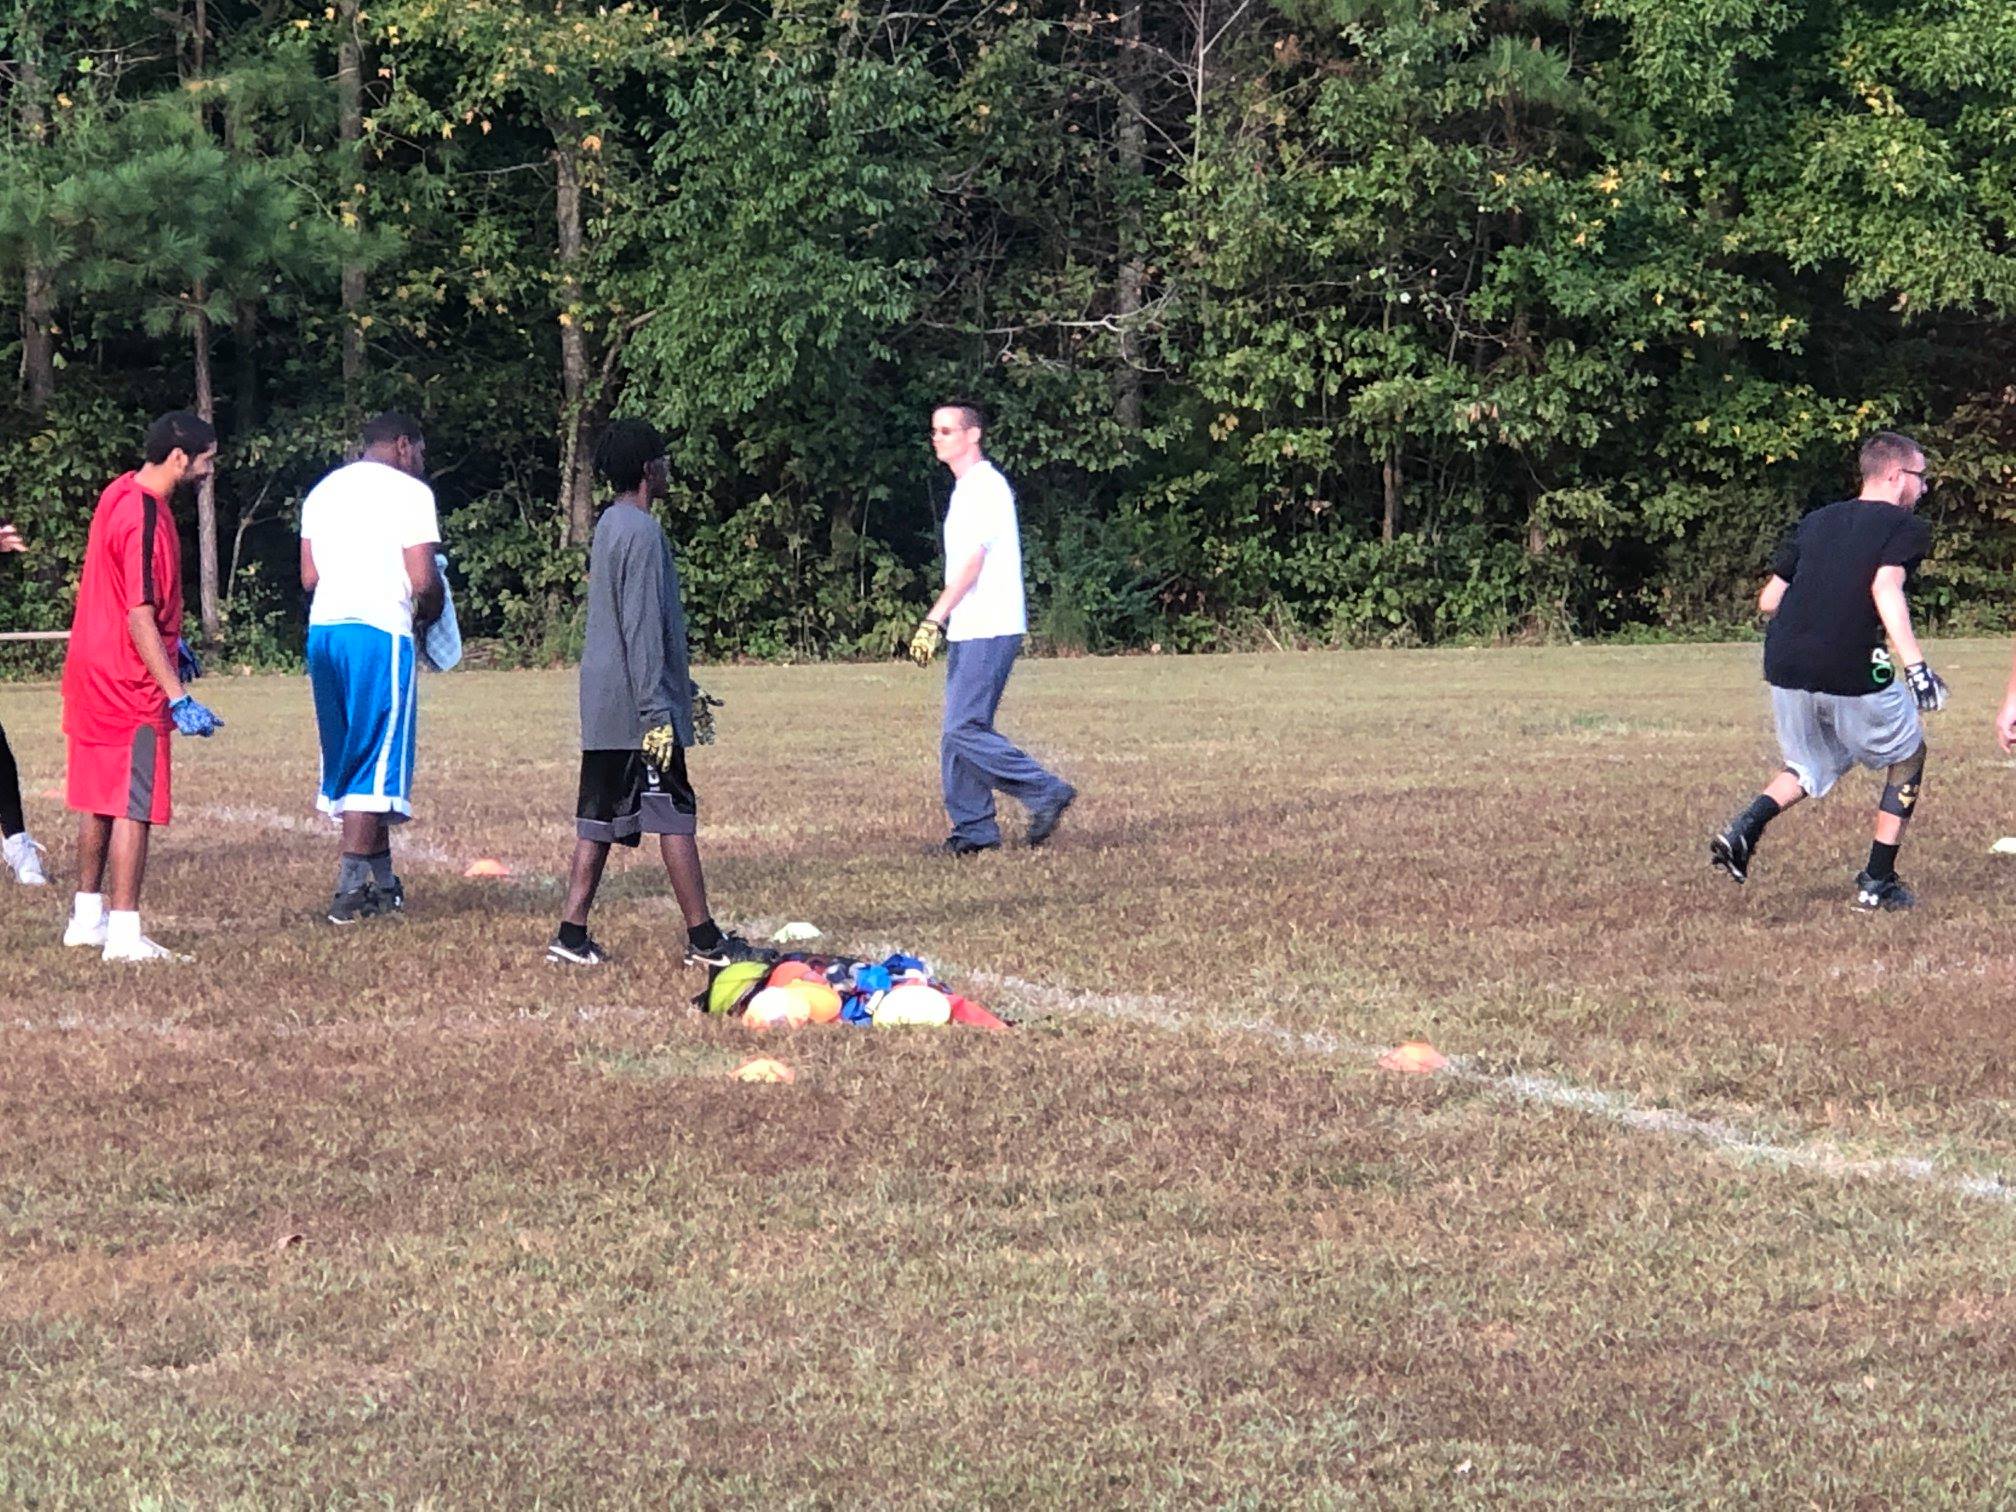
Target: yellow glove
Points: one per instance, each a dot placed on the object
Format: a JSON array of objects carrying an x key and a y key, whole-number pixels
[
  {"x": 927, "y": 642},
  {"x": 704, "y": 705},
  {"x": 659, "y": 744}
]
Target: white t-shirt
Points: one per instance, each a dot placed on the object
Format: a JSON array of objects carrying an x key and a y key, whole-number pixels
[
  {"x": 360, "y": 520},
  {"x": 982, "y": 513}
]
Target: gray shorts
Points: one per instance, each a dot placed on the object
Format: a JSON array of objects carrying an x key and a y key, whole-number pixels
[{"x": 1822, "y": 735}]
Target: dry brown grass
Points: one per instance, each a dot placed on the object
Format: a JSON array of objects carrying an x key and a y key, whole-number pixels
[{"x": 549, "y": 1252}]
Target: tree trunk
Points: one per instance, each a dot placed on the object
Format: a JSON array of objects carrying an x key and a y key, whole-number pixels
[
  {"x": 206, "y": 397},
  {"x": 245, "y": 367},
  {"x": 38, "y": 294},
  {"x": 38, "y": 341},
  {"x": 577, "y": 484},
  {"x": 1391, "y": 482},
  {"x": 206, "y": 491},
  {"x": 1131, "y": 153},
  {"x": 350, "y": 132}
]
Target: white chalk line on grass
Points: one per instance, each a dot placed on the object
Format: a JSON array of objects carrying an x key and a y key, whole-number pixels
[
  {"x": 317, "y": 826},
  {"x": 1724, "y": 1138}
]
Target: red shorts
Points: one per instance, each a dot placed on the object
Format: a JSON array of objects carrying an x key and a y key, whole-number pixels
[{"x": 122, "y": 780}]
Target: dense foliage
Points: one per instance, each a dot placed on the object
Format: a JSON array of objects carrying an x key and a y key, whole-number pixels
[{"x": 1365, "y": 320}]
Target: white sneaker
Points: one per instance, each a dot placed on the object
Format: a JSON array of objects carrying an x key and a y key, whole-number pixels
[
  {"x": 144, "y": 949},
  {"x": 77, "y": 932},
  {"x": 23, "y": 853}
]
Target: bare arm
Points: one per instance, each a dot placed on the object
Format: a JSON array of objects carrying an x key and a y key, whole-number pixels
[
  {"x": 1888, "y": 591},
  {"x": 10, "y": 538},
  {"x": 426, "y": 581},
  {"x": 2005, "y": 722},
  {"x": 1772, "y": 596},
  {"x": 309, "y": 576},
  {"x": 957, "y": 586},
  {"x": 147, "y": 641}
]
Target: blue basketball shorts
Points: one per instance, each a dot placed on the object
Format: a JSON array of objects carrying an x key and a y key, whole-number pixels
[{"x": 363, "y": 681}]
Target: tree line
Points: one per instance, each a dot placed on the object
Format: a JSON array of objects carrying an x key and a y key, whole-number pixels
[{"x": 1367, "y": 321}]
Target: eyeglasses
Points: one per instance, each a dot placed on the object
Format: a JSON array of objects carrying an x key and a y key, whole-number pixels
[{"x": 1922, "y": 474}]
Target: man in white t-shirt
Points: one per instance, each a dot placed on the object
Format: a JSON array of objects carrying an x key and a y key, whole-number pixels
[
  {"x": 368, "y": 537},
  {"x": 982, "y": 615}
]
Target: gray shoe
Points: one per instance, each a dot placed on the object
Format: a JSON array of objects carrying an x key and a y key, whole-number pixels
[
  {"x": 1043, "y": 823},
  {"x": 350, "y": 907}
]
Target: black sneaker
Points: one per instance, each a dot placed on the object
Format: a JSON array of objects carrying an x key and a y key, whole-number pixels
[
  {"x": 1731, "y": 850},
  {"x": 732, "y": 948},
  {"x": 361, "y": 902},
  {"x": 1043, "y": 823},
  {"x": 392, "y": 900},
  {"x": 588, "y": 953},
  {"x": 1888, "y": 895},
  {"x": 959, "y": 845}
]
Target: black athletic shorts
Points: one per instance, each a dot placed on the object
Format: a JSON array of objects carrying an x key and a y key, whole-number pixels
[{"x": 624, "y": 797}]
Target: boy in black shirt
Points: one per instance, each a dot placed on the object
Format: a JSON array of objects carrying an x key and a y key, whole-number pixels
[{"x": 1836, "y": 590}]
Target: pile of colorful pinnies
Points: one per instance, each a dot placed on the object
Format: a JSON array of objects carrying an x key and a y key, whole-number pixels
[{"x": 792, "y": 991}]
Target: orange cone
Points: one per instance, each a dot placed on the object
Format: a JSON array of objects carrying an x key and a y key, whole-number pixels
[
  {"x": 487, "y": 867},
  {"x": 764, "y": 1069},
  {"x": 1415, "y": 1058}
]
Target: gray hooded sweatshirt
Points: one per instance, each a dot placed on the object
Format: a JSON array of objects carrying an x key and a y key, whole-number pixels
[{"x": 634, "y": 673}]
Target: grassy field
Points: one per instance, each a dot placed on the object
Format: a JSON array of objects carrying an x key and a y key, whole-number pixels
[{"x": 405, "y": 1216}]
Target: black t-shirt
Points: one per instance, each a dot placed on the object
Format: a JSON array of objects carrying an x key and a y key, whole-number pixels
[{"x": 1827, "y": 635}]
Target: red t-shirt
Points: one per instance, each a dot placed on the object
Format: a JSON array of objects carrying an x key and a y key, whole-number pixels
[{"x": 132, "y": 557}]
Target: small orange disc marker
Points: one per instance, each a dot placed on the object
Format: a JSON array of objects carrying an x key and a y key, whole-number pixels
[{"x": 1416, "y": 1058}]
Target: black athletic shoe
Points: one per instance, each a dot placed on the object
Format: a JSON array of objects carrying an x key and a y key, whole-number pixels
[
  {"x": 588, "y": 953},
  {"x": 361, "y": 902},
  {"x": 732, "y": 948},
  {"x": 1043, "y": 823},
  {"x": 958, "y": 845},
  {"x": 1888, "y": 895},
  {"x": 392, "y": 900},
  {"x": 1731, "y": 850}
]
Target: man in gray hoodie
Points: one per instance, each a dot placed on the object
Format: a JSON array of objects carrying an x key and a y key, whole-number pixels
[{"x": 638, "y": 711}]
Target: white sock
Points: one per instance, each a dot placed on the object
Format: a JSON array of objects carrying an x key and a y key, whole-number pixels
[
  {"x": 122, "y": 928},
  {"x": 88, "y": 909}
]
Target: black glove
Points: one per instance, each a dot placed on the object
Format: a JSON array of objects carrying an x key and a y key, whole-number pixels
[{"x": 1927, "y": 686}]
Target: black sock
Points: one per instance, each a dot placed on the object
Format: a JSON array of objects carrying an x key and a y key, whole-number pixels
[
  {"x": 380, "y": 863},
  {"x": 1762, "y": 810},
  {"x": 705, "y": 937},
  {"x": 573, "y": 936},
  {"x": 354, "y": 872},
  {"x": 1882, "y": 861},
  {"x": 12, "y": 820}
]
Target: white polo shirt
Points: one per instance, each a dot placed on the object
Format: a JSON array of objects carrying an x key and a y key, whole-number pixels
[
  {"x": 982, "y": 513},
  {"x": 360, "y": 520}
]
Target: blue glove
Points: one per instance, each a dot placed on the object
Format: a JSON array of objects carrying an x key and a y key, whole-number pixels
[
  {"x": 191, "y": 718},
  {"x": 186, "y": 666}
]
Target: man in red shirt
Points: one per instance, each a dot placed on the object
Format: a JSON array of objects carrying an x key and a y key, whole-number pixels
[{"x": 123, "y": 685}]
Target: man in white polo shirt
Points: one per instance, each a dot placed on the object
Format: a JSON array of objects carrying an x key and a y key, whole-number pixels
[
  {"x": 982, "y": 615},
  {"x": 368, "y": 537}
]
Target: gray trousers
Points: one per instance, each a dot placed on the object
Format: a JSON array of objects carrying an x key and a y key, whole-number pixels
[{"x": 976, "y": 759}]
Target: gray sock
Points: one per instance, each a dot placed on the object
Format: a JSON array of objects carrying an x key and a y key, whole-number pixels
[
  {"x": 381, "y": 867},
  {"x": 353, "y": 873}
]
